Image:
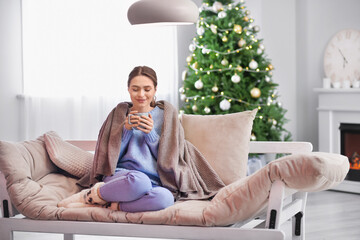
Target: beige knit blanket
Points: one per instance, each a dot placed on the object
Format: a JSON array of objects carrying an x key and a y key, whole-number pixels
[{"x": 181, "y": 167}]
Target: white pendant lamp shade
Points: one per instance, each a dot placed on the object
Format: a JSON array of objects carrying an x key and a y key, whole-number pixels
[{"x": 167, "y": 12}]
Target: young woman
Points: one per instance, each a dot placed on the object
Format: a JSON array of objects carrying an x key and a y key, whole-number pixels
[
  {"x": 142, "y": 161},
  {"x": 136, "y": 185}
]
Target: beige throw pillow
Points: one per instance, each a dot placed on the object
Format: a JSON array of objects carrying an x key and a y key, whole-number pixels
[
  {"x": 66, "y": 156},
  {"x": 25, "y": 160},
  {"x": 223, "y": 140}
]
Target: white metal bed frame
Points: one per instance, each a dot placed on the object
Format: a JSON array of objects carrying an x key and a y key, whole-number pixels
[{"x": 280, "y": 210}]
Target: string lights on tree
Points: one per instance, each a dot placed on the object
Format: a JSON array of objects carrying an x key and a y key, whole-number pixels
[{"x": 228, "y": 70}]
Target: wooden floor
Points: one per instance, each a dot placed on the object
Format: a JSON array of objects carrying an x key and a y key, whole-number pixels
[
  {"x": 333, "y": 215},
  {"x": 330, "y": 215}
]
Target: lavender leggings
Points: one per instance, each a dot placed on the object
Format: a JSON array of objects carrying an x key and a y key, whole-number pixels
[{"x": 134, "y": 192}]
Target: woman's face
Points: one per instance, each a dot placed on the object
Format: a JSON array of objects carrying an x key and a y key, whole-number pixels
[{"x": 142, "y": 92}]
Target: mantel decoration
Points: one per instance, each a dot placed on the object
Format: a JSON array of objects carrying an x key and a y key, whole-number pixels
[
  {"x": 228, "y": 70},
  {"x": 163, "y": 12}
]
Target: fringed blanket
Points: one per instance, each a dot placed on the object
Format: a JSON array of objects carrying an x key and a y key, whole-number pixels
[{"x": 181, "y": 167}]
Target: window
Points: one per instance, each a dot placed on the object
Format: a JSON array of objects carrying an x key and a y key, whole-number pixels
[
  {"x": 88, "y": 47},
  {"x": 77, "y": 55}
]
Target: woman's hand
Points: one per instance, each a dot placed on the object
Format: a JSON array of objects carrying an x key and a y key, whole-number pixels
[
  {"x": 134, "y": 119},
  {"x": 142, "y": 123},
  {"x": 146, "y": 123}
]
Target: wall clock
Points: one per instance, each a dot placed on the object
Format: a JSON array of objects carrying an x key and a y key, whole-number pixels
[{"x": 342, "y": 56}]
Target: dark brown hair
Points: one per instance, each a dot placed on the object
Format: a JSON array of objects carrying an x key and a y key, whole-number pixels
[
  {"x": 143, "y": 71},
  {"x": 147, "y": 72}
]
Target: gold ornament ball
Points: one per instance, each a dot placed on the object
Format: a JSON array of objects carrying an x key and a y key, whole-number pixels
[
  {"x": 215, "y": 88},
  {"x": 255, "y": 92},
  {"x": 253, "y": 137},
  {"x": 183, "y": 75},
  {"x": 246, "y": 19},
  {"x": 237, "y": 28},
  {"x": 241, "y": 42},
  {"x": 271, "y": 67},
  {"x": 224, "y": 39},
  {"x": 188, "y": 59},
  {"x": 224, "y": 62}
]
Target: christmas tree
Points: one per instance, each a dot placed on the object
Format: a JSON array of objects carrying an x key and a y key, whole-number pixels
[{"x": 228, "y": 70}]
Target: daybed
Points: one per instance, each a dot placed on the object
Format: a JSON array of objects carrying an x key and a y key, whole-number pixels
[{"x": 35, "y": 176}]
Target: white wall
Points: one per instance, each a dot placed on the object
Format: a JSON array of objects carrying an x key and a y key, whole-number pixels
[
  {"x": 10, "y": 69},
  {"x": 185, "y": 34},
  {"x": 317, "y": 21},
  {"x": 295, "y": 34},
  {"x": 277, "y": 29}
]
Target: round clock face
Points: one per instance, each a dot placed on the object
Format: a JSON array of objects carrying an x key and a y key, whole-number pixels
[{"x": 342, "y": 56}]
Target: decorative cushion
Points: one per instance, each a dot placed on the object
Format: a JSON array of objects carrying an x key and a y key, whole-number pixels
[
  {"x": 27, "y": 159},
  {"x": 33, "y": 182},
  {"x": 223, "y": 140},
  {"x": 66, "y": 156}
]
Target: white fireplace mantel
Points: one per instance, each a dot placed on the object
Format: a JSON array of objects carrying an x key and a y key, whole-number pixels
[{"x": 337, "y": 106}]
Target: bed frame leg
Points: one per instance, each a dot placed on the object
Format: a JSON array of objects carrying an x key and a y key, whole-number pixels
[
  {"x": 298, "y": 221},
  {"x": 6, "y": 232},
  {"x": 69, "y": 236}
]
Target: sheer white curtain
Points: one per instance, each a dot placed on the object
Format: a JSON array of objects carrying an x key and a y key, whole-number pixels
[
  {"x": 71, "y": 117},
  {"x": 77, "y": 55}
]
